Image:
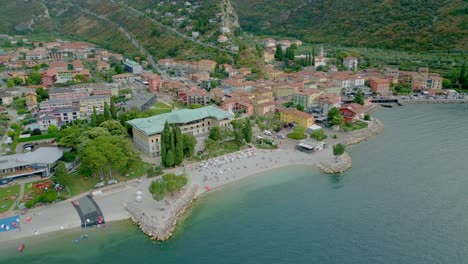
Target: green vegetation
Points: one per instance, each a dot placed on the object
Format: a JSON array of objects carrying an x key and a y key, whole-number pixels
[
  {"x": 5, "y": 194},
  {"x": 318, "y": 135},
  {"x": 403, "y": 88},
  {"x": 265, "y": 143},
  {"x": 338, "y": 149},
  {"x": 173, "y": 148},
  {"x": 168, "y": 184},
  {"x": 335, "y": 118},
  {"x": 403, "y": 24},
  {"x": 297, "y": 134},
  {"x": 38, "y": 137},
  {"x": 367, "y": 117},
  {"x": 356, "y": 125},
  {"x": 154, "y": 171},
  {"x": 359, "y": 99}
]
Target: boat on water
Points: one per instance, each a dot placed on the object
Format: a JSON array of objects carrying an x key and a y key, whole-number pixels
[
  {"x": 20, "y": 247},
  {"x": 387, "y": 105},
  {"x": 80, "y": 238}
]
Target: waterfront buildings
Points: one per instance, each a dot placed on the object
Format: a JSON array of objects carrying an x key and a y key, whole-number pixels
[
  {"x": 352, "y": 111},
  {"x": 197, "y": 122},
  {"x": 292, "y": 115}
]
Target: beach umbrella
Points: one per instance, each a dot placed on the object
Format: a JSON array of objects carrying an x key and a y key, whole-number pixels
[
  {"x": 7, "y": 228},
  {"x": 17, "y": 220},
  {"x": 2, "y": 226}
]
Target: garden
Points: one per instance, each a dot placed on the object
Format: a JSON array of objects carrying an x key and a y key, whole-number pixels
[{"x": 8, "y": 196}]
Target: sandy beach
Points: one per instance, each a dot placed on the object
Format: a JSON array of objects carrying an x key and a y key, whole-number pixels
[{"x": 207, "y": 175}]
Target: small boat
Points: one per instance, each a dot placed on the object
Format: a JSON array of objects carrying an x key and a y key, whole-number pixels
[
  {"x": 387, "y": 105},
  {"x": 13, "y": 224},
  {"x": 80, "y": 238},
  {"x": 20, "y": 247}
]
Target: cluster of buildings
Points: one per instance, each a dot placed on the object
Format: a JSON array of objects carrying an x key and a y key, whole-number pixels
[
  {"x": 62, "y": 51},
  {"x": 270, "y": 46},
  {"x": 66, "y": 105}
]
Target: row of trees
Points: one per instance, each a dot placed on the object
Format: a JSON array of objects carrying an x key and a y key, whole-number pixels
[
  {"x": 110, "y": 113},
  {"x": 168, "y": 184},
  {"x": 175, "y": 145},
  {"x": 242, "y": 131},
  {"x": 335, "y": 118}
]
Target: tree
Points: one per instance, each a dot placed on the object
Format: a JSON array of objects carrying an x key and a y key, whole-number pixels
[
  {"x": 118, "y": 68},
  {"x": 337, "y": 120},
  {"x": 210, "y": 146},
  {"x": 114, "y": 127},
  {"x": 338, "y": 149},
  {"x": 170, "y": 158},
  {"x": 367, "y": 117},
  {"x": 318, "y": 135},
  {"x": 52, "y": 130},
  {"x": 107, "y": 113},
  {"x": 94, "y": 118},
  {"x": 113, "y": 109},
  {"x": 36, "y": 132},
  {"x": 165, "y": 143},
  {"x": 298, "y": 133},
  {"x": 42, "y": 94},
  {"x": 247, "y": 131},
  {"x": 279, "y": 55},
  {"x": 238, "y": 137},
  {"x": 107, "y": 155},
  {"x": 179, "y": 146},
  {"x": 34, "y": 77},
  {"x": 359, "y": 99},
  {"x": 300, "y": 107},
  {"x": 215, "y": 134},
  {"x": 332, "y": 113},
  {"x": 195, "y": 106},
  {"x": 189, "y": 144},
  {"x": 61, "y": 173},
  {"x": 10, "y": 83},
  {"x": 158, "y": 189}
]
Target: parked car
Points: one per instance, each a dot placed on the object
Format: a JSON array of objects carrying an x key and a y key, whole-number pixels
[
  {"x": 28, "y": 146},
  {"x": 280, "y": 136},
  {"x": 99, "y": 185},
  {"x": 266, "y": 132}
]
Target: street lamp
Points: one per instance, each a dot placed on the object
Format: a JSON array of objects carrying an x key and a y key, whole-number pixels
[{"x": 87, "y": 221}]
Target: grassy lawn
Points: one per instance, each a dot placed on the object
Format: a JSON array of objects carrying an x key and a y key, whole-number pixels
[
  {"x": 179, "y": 105},
  {"x": 5, "y": 192},
  {"x": 162, "y": 105},
  {"x": 296, "y": 136},
  {"x": 39, "y": 137},
  {"x": 354, "y": 126}
]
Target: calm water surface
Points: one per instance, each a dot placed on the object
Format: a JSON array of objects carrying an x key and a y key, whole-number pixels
[{"x": 404, "y": 201}]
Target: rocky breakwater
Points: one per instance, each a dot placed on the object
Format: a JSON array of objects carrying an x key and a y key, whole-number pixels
[
  {"x": 159, "y": 224},
  {"x": 344, "y": 162},
  {"x": 337, "y": 165}
]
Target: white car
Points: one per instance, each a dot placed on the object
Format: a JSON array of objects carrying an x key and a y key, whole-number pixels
[
  {"x": 99, "y": 185},
  {"x": 266, "y": 132}
]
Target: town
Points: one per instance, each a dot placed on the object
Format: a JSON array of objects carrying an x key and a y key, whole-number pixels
[{"x": 78, "y": 118}]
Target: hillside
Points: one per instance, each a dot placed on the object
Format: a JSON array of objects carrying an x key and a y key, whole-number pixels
[
  {"x": 23, "y": 16},
  {"x": 393, "y": 24}
]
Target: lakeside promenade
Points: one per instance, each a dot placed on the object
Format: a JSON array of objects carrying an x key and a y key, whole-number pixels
[{"x": 158, "y": 218}]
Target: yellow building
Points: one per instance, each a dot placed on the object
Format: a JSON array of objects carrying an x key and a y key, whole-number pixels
[
  {"x": 197, "y": 122},
  {"x": 292, "y": 115},
  {"x": 284, "y": 91},
  {"x": 96, "y": 101}
]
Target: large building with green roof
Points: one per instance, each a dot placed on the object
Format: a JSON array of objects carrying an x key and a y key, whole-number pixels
[{"x": 197, "y": 122}]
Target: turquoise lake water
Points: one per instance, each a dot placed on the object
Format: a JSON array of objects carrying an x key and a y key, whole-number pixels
[{"x": 404, "y": 201}]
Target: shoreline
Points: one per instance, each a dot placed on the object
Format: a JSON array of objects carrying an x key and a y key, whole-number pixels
[{"x": 158, "y": 220}]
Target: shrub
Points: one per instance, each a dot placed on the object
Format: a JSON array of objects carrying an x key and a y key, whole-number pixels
[
  {"x": 318, "y": 135},
  {"x": 366, "y": 117},
  {"x": 335, "y": 136},
  {"x": 69, "y": 156}
]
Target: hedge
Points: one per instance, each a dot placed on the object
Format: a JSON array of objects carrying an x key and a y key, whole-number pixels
[{"x": 38, "y": 137}]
